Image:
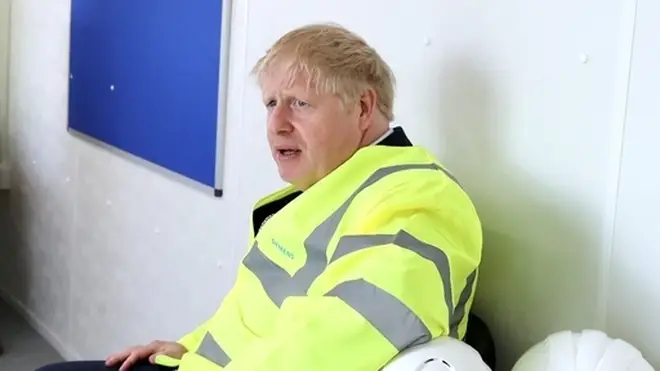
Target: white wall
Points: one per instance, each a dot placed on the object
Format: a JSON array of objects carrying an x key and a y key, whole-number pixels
[{"x": 526, "y": 102}]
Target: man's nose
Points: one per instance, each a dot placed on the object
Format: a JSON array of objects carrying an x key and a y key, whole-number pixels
[{"x": 279, "y": 121}]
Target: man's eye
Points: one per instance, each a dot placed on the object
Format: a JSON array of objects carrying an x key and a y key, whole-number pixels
[
  {"x": 270, "y": 103},
  {"x": 300, "y": 104}
]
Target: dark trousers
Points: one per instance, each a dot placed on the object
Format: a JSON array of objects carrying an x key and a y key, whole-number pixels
[{"x": 99, "y": 366}]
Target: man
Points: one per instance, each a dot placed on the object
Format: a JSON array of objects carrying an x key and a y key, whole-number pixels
[{"x": 372, "y": 249}]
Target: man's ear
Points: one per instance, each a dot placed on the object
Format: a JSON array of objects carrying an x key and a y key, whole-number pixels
[{"x": 368, "y": 105}]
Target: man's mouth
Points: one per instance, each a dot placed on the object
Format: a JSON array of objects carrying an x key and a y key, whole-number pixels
[{"x": 288, "y": 152}]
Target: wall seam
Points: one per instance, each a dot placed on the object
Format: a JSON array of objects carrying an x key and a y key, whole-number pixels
[{"x": 610, "y": 230}]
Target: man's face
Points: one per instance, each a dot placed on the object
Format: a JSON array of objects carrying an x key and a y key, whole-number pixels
[{"x": 309, "y": 134}]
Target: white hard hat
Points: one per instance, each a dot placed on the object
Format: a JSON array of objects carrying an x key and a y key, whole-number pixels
[
  {"x": 589, "y": 350},
  {"x": 442, "y": 354}
]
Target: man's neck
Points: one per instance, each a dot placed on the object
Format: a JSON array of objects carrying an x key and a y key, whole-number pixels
[
  {"x": 374, "y": 136},
  {"x": 382, "y": 136}
]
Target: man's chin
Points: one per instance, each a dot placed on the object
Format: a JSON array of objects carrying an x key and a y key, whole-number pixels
[
  {"x": 288, "y": 175},
  {"x": 300, "y": 182}
]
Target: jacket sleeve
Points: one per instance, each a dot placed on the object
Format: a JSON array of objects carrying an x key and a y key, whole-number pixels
[
  {"x": 399, "y": 282},
  {"x": 194, "y": 338},
  {"x": 189, "y": 341}
]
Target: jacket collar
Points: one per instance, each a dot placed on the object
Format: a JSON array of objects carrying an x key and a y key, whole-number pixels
[{"x": 397, "y": 138}]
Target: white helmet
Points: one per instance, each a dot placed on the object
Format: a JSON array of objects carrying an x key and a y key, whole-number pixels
[
  {"x": 442, "y": 354},
  {"x": 589, "y": 350}
]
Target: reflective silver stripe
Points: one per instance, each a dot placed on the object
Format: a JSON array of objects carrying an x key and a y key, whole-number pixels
[
  {"x": 274, "y": 279},
  {"x": 403, "y": 239},
  {"x": 211, "y": 350},
  {"x": 351, "y": 244},
  {"x": 459, "y": 311},
  {"x": 386, "y": 313}
]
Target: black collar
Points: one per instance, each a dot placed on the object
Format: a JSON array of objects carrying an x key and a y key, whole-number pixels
[{"x": 397, "y": 138}]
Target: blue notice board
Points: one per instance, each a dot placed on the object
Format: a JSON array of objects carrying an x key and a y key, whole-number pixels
[{"x": 147, "y": 77}]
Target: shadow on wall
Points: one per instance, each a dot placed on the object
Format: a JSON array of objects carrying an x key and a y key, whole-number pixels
[
  {"x": 536, "y": 249},
  {"x": 16, "y": 269}
]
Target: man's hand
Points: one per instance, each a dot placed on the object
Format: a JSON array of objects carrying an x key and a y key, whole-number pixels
[{"x": 129, "y": 357}]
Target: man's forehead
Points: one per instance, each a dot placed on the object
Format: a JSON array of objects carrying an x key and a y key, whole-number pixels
[{"x": 285, "y": 79}]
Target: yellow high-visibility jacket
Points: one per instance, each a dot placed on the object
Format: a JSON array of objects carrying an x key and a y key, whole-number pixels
[{"x": 379, "y": 256}]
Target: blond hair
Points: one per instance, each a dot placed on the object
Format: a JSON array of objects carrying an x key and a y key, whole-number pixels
[{"x": 336, "y": 60}]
